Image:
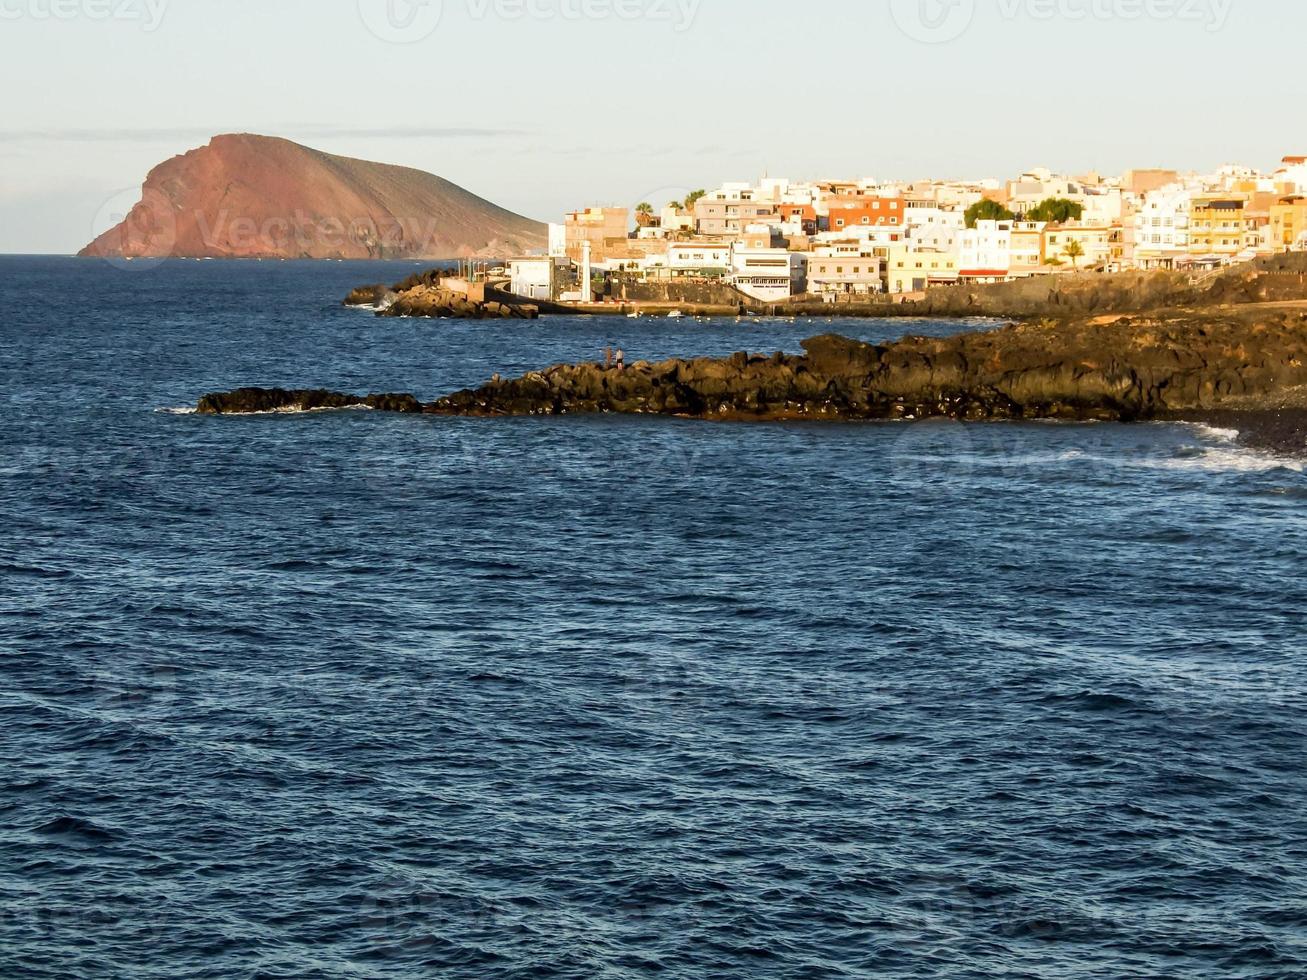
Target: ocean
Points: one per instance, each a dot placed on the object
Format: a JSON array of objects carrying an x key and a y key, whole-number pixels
[{"x": 353, "y": 695}]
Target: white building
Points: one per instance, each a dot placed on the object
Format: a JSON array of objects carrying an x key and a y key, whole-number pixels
[
  {"x": 837, "y": 270},
  {"x": 1161, "y": 227},
  {"x": 558, "y": 241},
  {"x": 985, "y": 251},
  {"x": 697, "y": 259},
  {"x": 535, "y": 277},
  {"x": 932, "y": 227},
  {"x": 867, "y": 236},
  {"x": 771, "y": 275}
]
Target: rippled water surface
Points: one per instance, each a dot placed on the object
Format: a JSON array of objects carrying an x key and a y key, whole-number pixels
[{"x": 368, "y": 696}]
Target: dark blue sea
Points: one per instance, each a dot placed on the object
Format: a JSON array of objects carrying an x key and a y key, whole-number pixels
[{"x": 352, "y": 695}]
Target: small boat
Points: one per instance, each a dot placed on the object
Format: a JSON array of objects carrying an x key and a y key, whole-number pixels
[
  {"x": 675, "y": 315},
  {"x": 634, "y": 316}
]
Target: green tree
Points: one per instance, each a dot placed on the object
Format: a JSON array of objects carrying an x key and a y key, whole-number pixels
[
  {"x": 678, "y": 205},
  {"x": 1074, "y": 251},
  {"x": 694, "y": 198},
  {"x": 987, "y": 210},
  {"x": 1056, "y": 211},
  {"x": 644, "y": 208}
]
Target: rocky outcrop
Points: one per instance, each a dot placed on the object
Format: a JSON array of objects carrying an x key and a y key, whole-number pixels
[
  {"x": 245, "y": 196},
  {"x": 257, "y": 401},
  {"x": 1123, "y": 369},
  {"x": 426, "y": 295},
  {"x": 368, "y": 296},
  {"x": 435, "y": 301}
]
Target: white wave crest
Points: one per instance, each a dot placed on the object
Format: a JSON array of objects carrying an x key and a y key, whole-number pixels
[{"x": 1231, "y": 460}]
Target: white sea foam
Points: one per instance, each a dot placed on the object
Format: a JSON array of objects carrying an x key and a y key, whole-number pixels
[
  {"x": 1213, "y": 432},
  {"x": 275, "y": 411},
  {"x": 1221, "y": 453},
  {"x": 1230, "y": 460},
  {"x": 288, "y": 410}
]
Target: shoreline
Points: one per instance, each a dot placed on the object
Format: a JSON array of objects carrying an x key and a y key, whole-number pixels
[{"x": 1246, "y": 371}]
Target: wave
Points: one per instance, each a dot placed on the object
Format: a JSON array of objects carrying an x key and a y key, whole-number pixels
[
  {"x": 185, "y": 410},
  {"x": 1231, "y": 459},
  {"x": 1213, "y": 432},
  {"x": 76, "y": 827},
  {"x": 304, "y": 411}
]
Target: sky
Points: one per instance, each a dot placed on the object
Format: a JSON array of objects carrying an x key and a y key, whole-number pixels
[{"x": 548, "y": 105}]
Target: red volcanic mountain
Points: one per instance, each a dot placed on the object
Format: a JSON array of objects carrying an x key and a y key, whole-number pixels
[{"x": 259, "y": 197}]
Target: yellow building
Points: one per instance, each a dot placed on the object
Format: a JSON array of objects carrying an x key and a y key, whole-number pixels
[
  {"x": 1099, "y": 245},
  {"x": 1027, "y": 249},
  {"x": 1218, "y": 225},
  {"x": 910, "y": 270},
  {"x": 1289, "y": 224}
]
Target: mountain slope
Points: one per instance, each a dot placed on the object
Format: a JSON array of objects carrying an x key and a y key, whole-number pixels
[{"x": 245, "y": 196}]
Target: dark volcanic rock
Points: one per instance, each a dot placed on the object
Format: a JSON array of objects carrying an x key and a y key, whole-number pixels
[
  {"x": 435, "y": 301},
  {"x": 367, "y": 295},
  {"x": 1110, "y": 369},
  {"x": 1123, "y": 369},
  {"x": 253, "y": 401}
]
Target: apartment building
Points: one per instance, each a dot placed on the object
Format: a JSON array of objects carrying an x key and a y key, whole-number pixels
[
  {"x": 1100, "y": 245},
  {"x": 912, "y": 270},
  {"x": 771, "y": 275},
  {"x": 845, "y": 270},
  {"x": 698, "y": 260},
  {"x": 1217, "y": 225},
  {"x": 865, "y": 212},
  {"x": 599, "y": 227},
  {"x": 1027, "y": 249},
  {"x": 1288, "y": 228},
  {"x": 931, "y": 226},
  {"x": 726, "y": 216},
  {"x": 1161, "y": 228},
  {"x": 985, "y": 252}
]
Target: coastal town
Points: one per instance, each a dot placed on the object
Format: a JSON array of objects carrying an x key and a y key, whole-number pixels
[{"x": 850, "y": 241}]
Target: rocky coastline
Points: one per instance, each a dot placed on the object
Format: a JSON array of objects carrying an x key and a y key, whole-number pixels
[
  {"x": 1120, "y": 369},
  {"x": 427, "y": 295}
]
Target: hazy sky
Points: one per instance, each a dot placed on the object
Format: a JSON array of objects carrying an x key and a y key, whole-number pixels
[{"x": 542, "y": 105}]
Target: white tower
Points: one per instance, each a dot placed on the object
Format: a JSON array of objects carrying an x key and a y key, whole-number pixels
[{"x": 587, "y": 288}]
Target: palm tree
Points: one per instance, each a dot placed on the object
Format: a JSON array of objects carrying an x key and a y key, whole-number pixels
[
  {"x": 644, "y": 208},
  {"x": 644, "y": 214},
  {"x": 678, "y": 205},
  {"x": 1074, "y": 251}
]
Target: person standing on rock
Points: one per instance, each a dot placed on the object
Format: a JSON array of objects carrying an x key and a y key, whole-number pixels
[{"x": 621, "y": 360}]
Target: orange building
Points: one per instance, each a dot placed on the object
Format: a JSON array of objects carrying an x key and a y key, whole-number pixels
[
  {"x": 865, "y": 212},
  {"x": 804, "y": 214}
]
